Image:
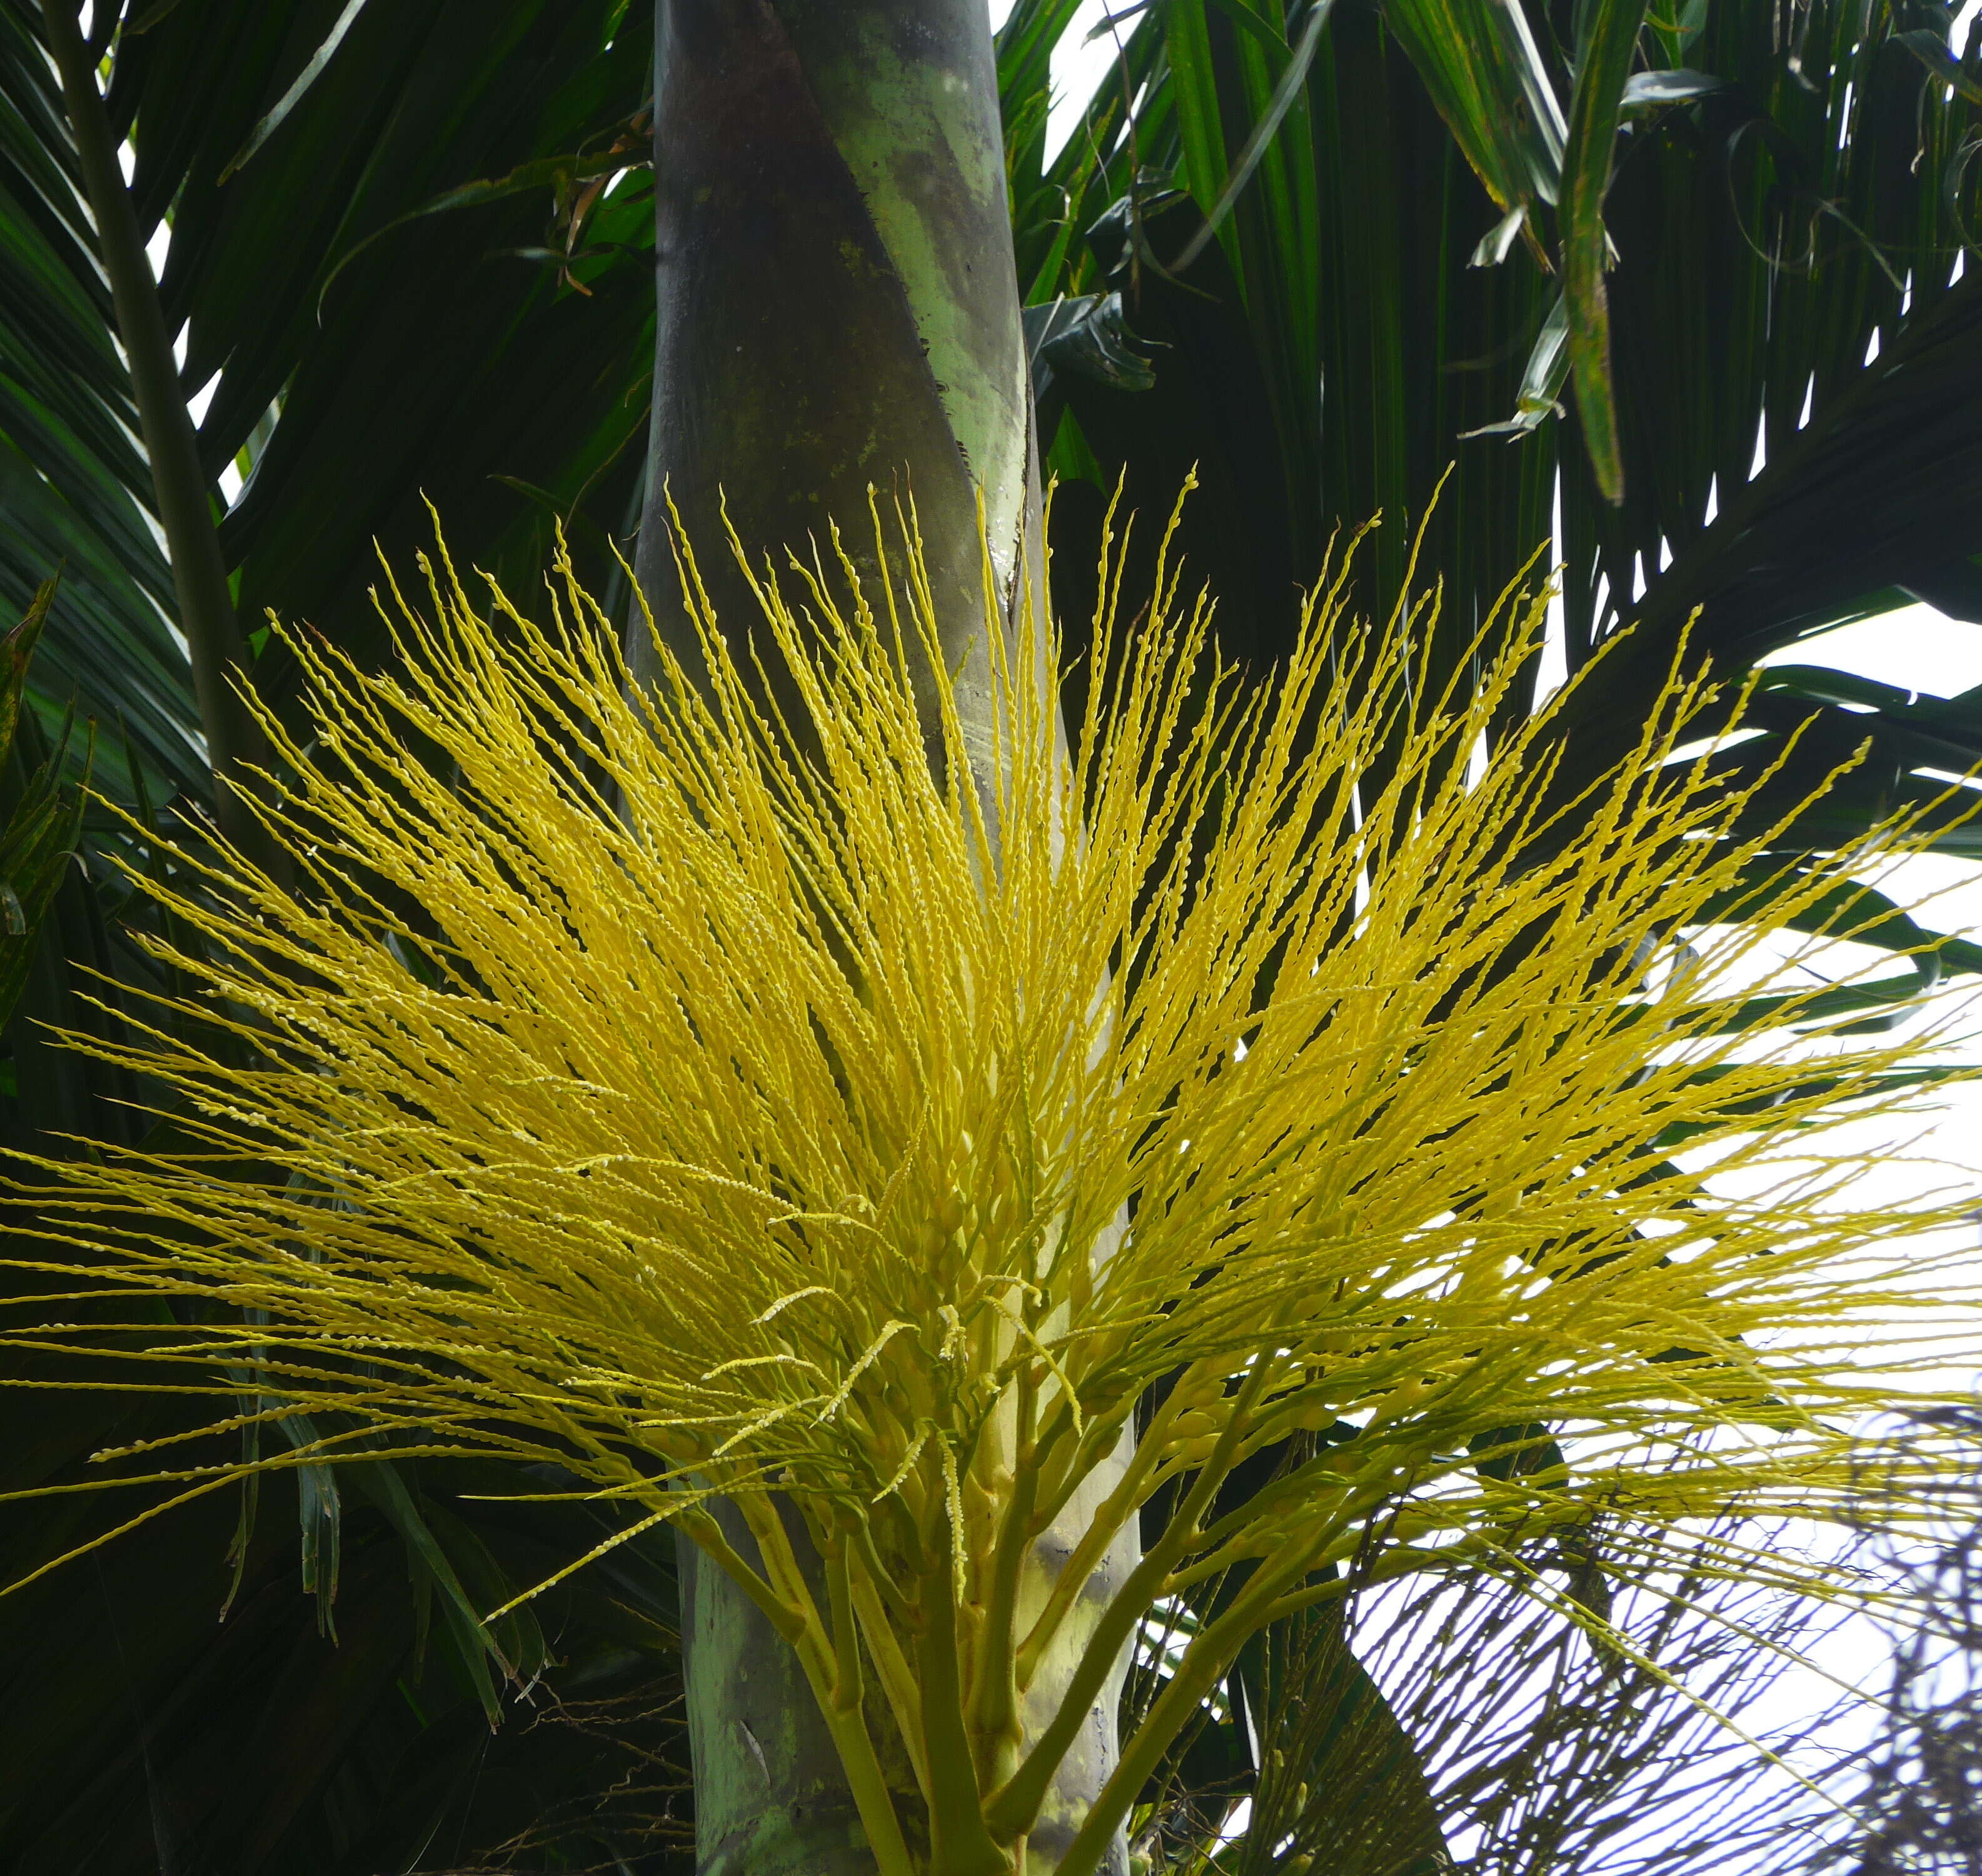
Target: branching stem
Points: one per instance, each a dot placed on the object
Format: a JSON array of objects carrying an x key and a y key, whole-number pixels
[
  {"x": 892, "y": 1668},
  {"x": 1208, "y": 1655},
  {"x": 1011, "y": 1810},
  {"x": 995, "y": 1710},
  {"x": 960, "y": 1842}
]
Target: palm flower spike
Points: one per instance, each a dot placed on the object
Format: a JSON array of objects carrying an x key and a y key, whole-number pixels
[{"x": 744, "y": 1104}]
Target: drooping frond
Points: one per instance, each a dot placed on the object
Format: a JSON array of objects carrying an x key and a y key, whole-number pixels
[{"x": 703, "y": 1094}]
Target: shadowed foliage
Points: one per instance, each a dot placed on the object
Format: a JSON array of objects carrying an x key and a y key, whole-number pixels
[{"x": 411, "y": 250}]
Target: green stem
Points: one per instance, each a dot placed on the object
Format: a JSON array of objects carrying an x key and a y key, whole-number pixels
[
  {"x": 872, "y": 1798},
  {"x": 959, "y": 1843},
  {"x": 995, "y": 1720},
  {"x": 1115, "y": 1511},
  {"x": 892, "y": 1670},
  {"x": 199, "y": 575},
  {"x": 1208, "y": 1655},
  {"x": 847, "y": 1677}
]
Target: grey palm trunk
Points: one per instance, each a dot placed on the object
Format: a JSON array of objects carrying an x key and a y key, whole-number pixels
[{"x": 838, "y": 324}]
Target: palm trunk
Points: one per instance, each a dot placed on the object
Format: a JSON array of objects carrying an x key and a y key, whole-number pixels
[
  {"x": 838, "y": 314},
  {"x": 838, "y": 305}
]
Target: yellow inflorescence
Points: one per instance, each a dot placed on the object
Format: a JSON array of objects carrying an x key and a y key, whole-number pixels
[{"x": 706, "y": 1095}]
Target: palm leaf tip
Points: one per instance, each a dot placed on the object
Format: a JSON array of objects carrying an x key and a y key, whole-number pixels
[{"x": 716, "y": 1092}]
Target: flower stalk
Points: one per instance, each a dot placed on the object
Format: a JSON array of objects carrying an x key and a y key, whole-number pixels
[{"x": 727, "y": 1114}]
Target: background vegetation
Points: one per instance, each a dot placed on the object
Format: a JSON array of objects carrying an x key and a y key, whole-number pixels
[{"x": 1324, "y": 252}]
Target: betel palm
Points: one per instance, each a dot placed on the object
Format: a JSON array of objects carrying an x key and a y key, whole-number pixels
[{"x": 543, "y": 386}]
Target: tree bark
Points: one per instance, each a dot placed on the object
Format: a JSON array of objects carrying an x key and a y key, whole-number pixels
[
  {"x": 838, "y": 313},
  {"x": 837, "y": 303}
]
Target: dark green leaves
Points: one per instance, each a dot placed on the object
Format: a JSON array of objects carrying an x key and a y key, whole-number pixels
[
  {"x": 1603, "y": 66},
  {"x": 74, "y": 487},
  {"x": 277, "y": 140},
  {"x": 43, "y": 817},
  {"x": 1484, "y": 69},
  {"x": 1086, "y": 337},
  {"x": 301, "y": 83},
  {"x": 1286, "y": 92}
]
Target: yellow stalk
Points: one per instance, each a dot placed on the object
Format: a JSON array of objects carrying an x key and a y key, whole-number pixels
[{"x": 707, "y": 1098}]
